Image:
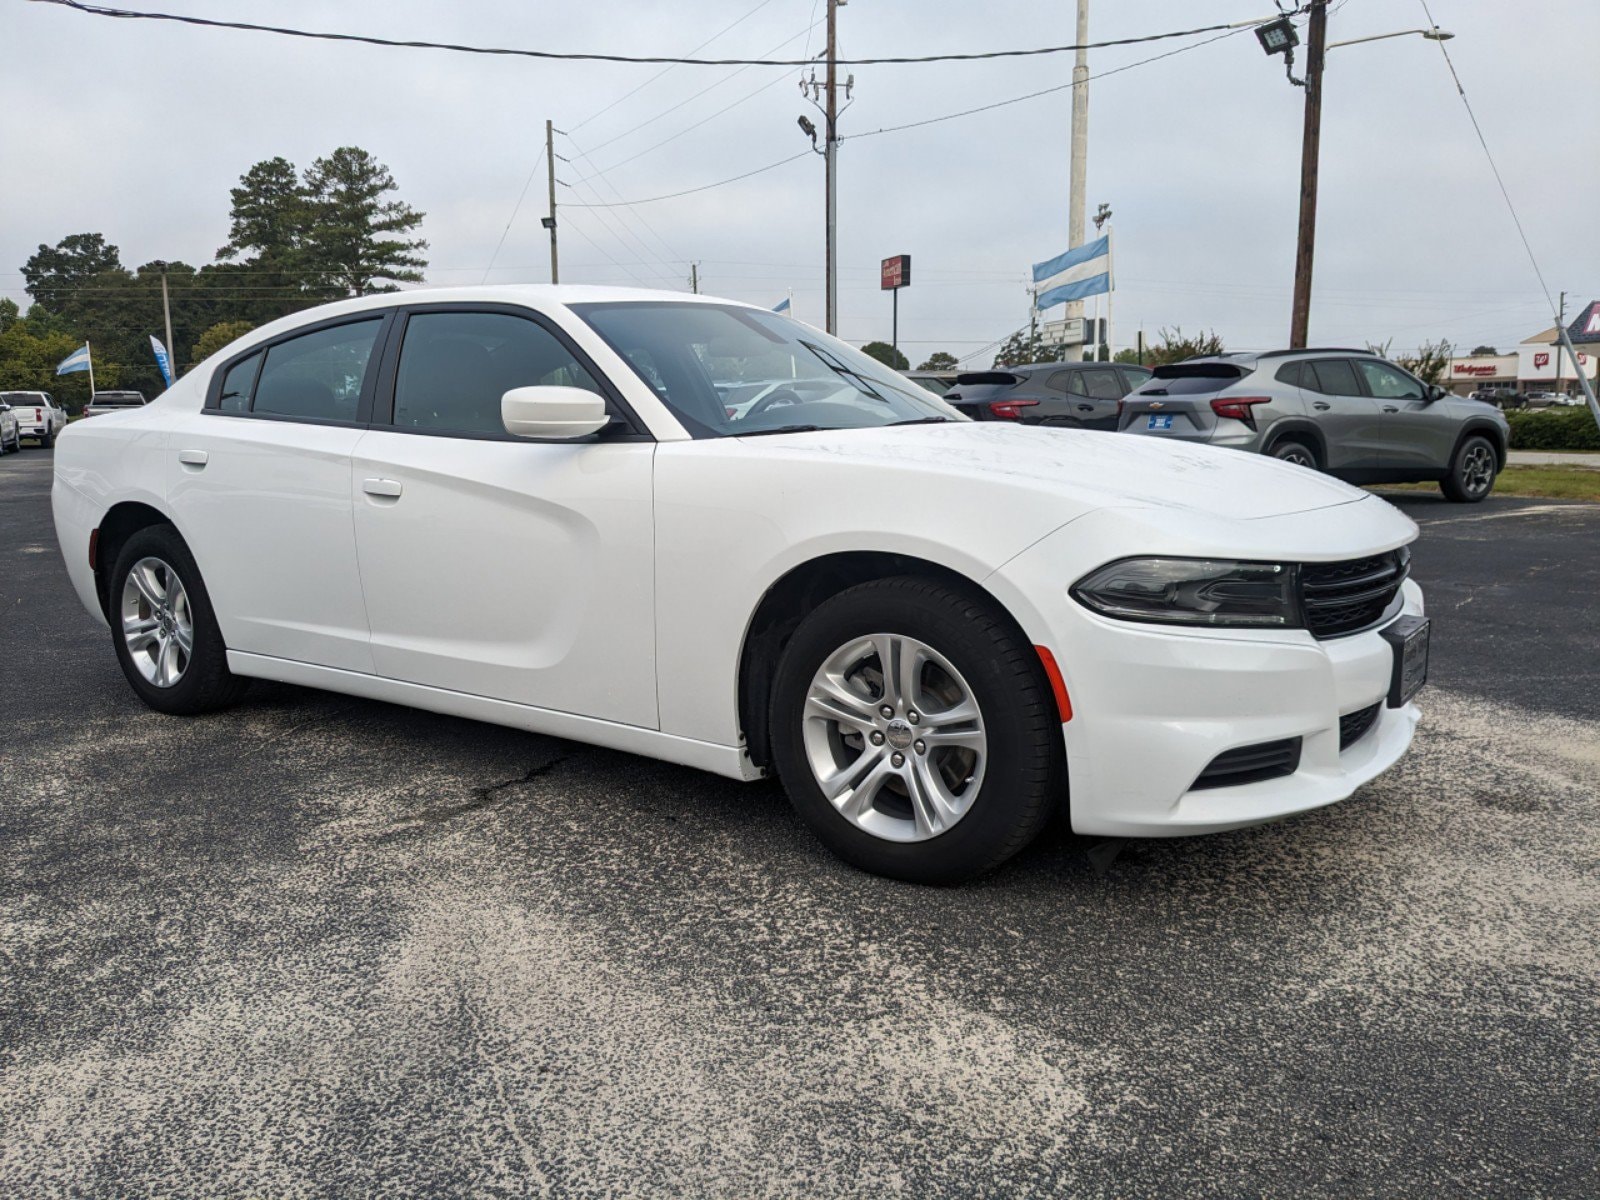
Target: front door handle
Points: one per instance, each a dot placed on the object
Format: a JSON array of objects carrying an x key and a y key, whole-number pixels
[
  {"x": 193, "y": 458},
  {"x": 388, "y": 489},
  {"x": 1390, "y": 408},
  {"x": 1085, "y": 408},
  {"x": 1321, "y": 405}
]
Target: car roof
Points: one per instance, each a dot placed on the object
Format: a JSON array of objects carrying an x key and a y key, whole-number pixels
[{"x": 1236, "y": 357}]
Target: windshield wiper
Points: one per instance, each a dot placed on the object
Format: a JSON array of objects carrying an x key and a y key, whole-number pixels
[
  {"x": 778, "y": 429},
  {"x": 921, "y": 421}
]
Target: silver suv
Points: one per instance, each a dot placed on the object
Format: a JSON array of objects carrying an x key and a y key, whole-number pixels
[{"x": 1346, "y": 412}]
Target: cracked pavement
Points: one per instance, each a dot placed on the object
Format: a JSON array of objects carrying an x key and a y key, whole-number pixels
[{"x": 321, "y": 947}]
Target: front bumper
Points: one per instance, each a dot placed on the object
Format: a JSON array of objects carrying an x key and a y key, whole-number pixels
[{"x": 1153, "y": 706}]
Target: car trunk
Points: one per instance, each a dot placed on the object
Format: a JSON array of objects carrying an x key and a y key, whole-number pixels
[
  {"x": 1177, "y": 402},
  {"x": 974, "y": 390}
]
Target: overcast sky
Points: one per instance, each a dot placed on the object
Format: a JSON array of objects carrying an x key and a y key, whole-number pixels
[{"x": 138, "y": 130}]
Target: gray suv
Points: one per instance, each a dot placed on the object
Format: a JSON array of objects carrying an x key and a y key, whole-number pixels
[{"x": 1346, "y": 412}]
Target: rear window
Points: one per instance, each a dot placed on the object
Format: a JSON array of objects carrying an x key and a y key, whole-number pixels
[
  {"x": 1192, "y": 379},
  {"x": 117, "y": 400},
  {"x": 975, "y": 385}
]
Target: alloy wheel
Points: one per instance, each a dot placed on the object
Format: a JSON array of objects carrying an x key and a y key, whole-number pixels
[
  {"x": 1477, "y": 469},
  {"x": 894, "y": 738},
  {"x": 157, "y": 623}
]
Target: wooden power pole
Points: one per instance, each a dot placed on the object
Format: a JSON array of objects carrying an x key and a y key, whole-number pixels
[
  {"x": 1305, "y": 251},
  {"x": 550, "y": 221}
]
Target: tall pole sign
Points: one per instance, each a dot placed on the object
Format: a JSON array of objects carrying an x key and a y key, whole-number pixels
[{"x": 894, "y": 274}]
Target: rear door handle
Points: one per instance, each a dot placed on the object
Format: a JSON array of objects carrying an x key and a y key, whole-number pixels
[
  {"x": 389, "y": 489},
  {"x": 1085, "y": 408},
  {"x": 193, "y": 458},
  {"x": 1390, "y": 408},
  {"x": 1321, "y": 405}
]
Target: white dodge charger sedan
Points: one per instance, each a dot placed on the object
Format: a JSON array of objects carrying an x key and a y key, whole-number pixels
[{"x": 697, "y": 530}]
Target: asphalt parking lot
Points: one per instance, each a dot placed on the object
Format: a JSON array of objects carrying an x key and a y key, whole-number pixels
[{"x": 326, "y": 947}]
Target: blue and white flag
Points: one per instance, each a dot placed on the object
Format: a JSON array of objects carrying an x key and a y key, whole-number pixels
[
  {"x": 1075, "y": 275},
  {"x": 163, "y": 360},
  {"x": 78, "y": 360},
  {"x": 781, "y": 306}
]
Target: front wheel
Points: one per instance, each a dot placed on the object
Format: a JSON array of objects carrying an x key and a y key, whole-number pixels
[
  {"x": 915, "y": 732},
  {"x": 165, "y": 632},
  {"x": 1472, "y": 473}
]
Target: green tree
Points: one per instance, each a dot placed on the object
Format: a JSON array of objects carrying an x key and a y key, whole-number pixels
[
  {"x": 358, "y": 242},
  {"x": 54, "y": 274},
  {"x": 270, "y": 215},
  {"x": 1024, "y": 347},
  {"x": 8, "y": 312},
  {"x": 30, "y": 348},
  {"x": 1130, "y": 355},
  {"x": 887, "y": 355},
  {"x": 1484, "y": 350},
  {"x": 939, "y": 360},
  {"x": 1175, "y": 346},
  {"x": 218, "y": 336}
]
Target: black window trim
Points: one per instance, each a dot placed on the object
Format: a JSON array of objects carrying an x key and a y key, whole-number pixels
[
  {"x": 626, "y": 425},
  {"x": 369, "y": 379}
]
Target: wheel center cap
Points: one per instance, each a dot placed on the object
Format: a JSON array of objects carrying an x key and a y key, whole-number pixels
[{"x": 899, "y": 734}]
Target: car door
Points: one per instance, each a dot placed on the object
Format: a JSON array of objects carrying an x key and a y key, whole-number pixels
[
  {"x": 499, "y": 566},
  {"x": 1347, "y": 416},
  {"x": 1416, "y": 435},
  {"x": 259, "y": 481}
]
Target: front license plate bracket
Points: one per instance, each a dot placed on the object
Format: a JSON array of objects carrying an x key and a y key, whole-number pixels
[{"x": 1409, "y": 637}]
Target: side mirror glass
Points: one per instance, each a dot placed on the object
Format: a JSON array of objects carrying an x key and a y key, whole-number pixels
[
  {"x": 552, "y": 412},
  {"x": 1435, "y": 392}
]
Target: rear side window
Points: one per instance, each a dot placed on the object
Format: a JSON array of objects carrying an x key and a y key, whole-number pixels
[
  {"x": 237, "y": 384},
  {"x": 1290, "y": 373},
  {"x": 1065, "y": 381},
  {"x": 455, "y": 367},
  {"x": 1137, "y": 376},
  {"x": 1334, "y": 377},
  {"x": 317, "y": 376}
]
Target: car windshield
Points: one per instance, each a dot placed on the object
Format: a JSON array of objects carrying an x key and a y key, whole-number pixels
[{"x": 727, "y": 371}]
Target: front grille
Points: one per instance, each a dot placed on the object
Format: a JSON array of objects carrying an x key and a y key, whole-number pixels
[
  {"x": 1354, "y": 726},
  {"x": 1346, "y": 597},
  {"x": 1251, "y": 764}
]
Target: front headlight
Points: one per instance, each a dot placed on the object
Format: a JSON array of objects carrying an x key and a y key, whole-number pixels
[{"x": 1193, "y": 591}]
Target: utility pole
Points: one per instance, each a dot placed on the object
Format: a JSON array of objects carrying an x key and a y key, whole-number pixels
[
  {"x": 550, "y": 221},
  {"x": 1561, "y": 321},
  {"x": 830, "y": 154},
  {"x": 1080, "y": 145},
  {"x": 1310, "y": 148},
  {"x": 694, "y": 278}
]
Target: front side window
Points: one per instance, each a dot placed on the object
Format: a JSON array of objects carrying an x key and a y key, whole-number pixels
[
  {"x": 455, "y": 367},
  {"x": 1102, "y": 384},
  {"x": 317, "y": 376},
  {"x": 1389, "y": 383},
  {"x": 726, "y": 371}
]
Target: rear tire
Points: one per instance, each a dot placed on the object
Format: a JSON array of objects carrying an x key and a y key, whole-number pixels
[
  {"x": 196, "y": 679},
  {"x": 47, "y": 441},
  {"x": 968, "y": 791},
  {"x": 1291, "y": 451},
  {"x": 1473, "y": 469}
]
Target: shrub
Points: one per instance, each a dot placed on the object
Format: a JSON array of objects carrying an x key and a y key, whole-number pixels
[{"x": 1554, "y": 429}]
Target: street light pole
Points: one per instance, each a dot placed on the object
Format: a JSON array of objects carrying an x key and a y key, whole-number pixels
[
  {"x": 1080, "y": 144},
  {"x": 830, "y": 154},
  {"x": 1310, "y": 148}
]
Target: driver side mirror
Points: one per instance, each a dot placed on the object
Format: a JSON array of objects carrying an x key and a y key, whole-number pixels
[
  {"x": 560, "y": 413},
  {"x": 1434, "y": 392}
]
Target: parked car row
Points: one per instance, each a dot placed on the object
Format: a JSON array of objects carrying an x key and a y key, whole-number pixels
[
  {"x": 37, "y": 417},
  {"x": 1349, "y": 413},
  {"x": 1505, "y": 397}
]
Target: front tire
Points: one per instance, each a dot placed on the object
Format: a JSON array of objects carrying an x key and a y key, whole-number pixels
[
  {"x": 915, "y": 732},
  {"x": 1473, "y": 469},
  {"x": 165, "y": 632}
]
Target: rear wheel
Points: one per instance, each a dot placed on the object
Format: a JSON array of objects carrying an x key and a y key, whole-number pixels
[
  {"x": 165, "y": 632},
  {"x": 46, "y": 441},
  {"x": 1298, "y": 453},
  {"x": 914, "y": 731},
  {"x": 1472, "y": 473}
]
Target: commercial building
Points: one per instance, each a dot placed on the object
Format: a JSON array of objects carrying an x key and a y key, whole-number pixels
[{"x": 1539, "y": 364}]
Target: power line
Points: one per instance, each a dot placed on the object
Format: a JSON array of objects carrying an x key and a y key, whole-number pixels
[
  {"x": 691, "y": 191},
  {"x": 1044, "y": 91},
  {"x": 99, "y": 10},
  {"x": 696, "y": 50}
]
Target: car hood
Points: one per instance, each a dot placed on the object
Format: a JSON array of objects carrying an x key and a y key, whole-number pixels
[{"x": 1094, "y": 469}]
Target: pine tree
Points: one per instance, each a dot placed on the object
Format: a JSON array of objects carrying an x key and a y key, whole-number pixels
[{"x": 357, "y": 241}]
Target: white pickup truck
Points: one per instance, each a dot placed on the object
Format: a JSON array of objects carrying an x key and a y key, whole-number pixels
[{"x": 38, "y": 415}]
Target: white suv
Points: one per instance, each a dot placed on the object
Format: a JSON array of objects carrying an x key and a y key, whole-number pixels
[{"x": 38, "y": 416}]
